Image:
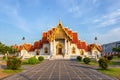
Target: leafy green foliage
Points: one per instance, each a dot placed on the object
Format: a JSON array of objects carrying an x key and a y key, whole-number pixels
[
  {"x": 32, "y": 60},
  {"x": 116, "y": 49},
  {"x": 110, "y": 57},
  {"x": 9, "y": 71},
  {"x": 40, "y": 58},
  {"x": 4, "y": 58},
  {"x": 4, "y": 49},
  {"x": 86, "y": 60},
  {"x": 103, "y": 63},
  {"x": 79, "y": 58},
  {"x": 13, "y": 63},
  {"x": 118, "y": 55}
]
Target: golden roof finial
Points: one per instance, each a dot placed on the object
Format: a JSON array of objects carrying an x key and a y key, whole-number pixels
[{"x": 59, "y": 21}]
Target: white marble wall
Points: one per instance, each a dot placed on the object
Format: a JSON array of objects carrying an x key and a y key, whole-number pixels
[
  {"x": 77, "y": 50},
  {"x": 42, "y": 49},
  {"x": 67, "y": 49}
]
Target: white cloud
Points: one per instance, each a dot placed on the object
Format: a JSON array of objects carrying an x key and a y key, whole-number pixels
[
  {"x": 94, "y": 1},
  {"x": 108, "y": 22},
  {"x": 12, "y": 12},
  {"x": 110, "y": 36},
  {"x": 108, "y": 19},
  {"x": 76, "y": 11}
]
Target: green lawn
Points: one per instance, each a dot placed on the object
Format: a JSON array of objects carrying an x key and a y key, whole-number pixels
[
  {"x": 115, "y": 61},
  {"x": 114, "y": 72},
  {"x": 115, "y": 58},
  {"x": 9, "y": 71},
  {"x": 25, "y": 62},
  {"x": 0, "y": 58},
  {"x": 92, "y": 63}
]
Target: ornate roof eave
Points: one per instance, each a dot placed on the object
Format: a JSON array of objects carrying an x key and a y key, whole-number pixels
[
  {"x": 64, "y": 30},
  {"x": 95, "y": 46},
  {"x": 52, "y": 36}
]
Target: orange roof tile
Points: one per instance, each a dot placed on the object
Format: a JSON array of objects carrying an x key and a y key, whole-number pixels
[
  {"x": 75, "y": 37},
  {"x": 84, "y": 46},
  {"x": 36, "y": 44}
]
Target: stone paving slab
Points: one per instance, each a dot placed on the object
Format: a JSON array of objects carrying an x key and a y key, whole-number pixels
[{"x": 59, "y": 70}]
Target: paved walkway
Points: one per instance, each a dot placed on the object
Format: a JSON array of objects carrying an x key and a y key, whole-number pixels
[{"x": 59, "y": 70}]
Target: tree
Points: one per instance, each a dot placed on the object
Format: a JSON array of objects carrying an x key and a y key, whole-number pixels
[
  {"x": 4, "y": 48},
  {"x": 116, "y": 49}
]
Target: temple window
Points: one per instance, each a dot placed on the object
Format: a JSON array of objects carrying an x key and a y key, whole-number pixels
[
  {"x": 46, "y": 50},
  {"x": 81, "y": 52},
  {"x": 37, "y": 52},
  {"x": 73, "y": 50}
]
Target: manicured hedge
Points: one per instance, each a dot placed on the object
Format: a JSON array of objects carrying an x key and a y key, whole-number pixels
[
  {"x": 40, "y": 58},
  {"x": 79, "y": 58},
  {"x": 86, "y": 60},
  {"x": 110, "y": 57},
  {"x": 32, "y": 60}
]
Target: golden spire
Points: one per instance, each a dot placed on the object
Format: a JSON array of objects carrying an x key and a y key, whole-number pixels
[
  {"x": 59, "y": 23},
  {"x": 59, "y": 20}
]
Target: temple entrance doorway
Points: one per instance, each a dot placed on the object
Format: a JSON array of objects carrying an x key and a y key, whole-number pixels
[{"x": 59, "y": 49}]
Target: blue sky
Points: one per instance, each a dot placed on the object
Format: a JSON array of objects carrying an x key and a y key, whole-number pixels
[{"x": 29, "y": 18}]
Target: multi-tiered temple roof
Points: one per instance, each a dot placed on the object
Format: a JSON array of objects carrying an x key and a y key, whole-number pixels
[{"x": 51, "y": 34}]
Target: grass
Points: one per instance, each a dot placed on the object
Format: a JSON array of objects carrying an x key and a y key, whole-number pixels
[
  {"x": 9, "y": 71},
  {"x": 25, "y": 62},
  {"x": 92, "y": 63},
  {"x": 114, "y": 72},
  {"x": 115, "y": 58},
  {"x": 115, "y": 61},
  {"x": 0, "y": 58}
]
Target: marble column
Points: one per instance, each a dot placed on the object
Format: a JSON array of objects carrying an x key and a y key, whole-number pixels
[
  {"x": 65, "y": 47},
  {"x": 51, "y": 48},
  {"x": 69, "y": 50},
  {"x": 54, "y": 48}
]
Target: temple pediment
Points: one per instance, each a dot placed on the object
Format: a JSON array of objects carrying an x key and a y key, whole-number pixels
[{"x": 59, "y": 33}]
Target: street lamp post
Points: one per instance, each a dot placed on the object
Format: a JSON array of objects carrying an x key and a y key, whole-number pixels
[
  {"x": 23, "y": 38},
  {"x": 95, "y": 40}
]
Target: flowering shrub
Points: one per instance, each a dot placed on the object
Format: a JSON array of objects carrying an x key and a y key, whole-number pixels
[
  {"x": 13, "y": 63},
  {"x": 103, "y": 63}
]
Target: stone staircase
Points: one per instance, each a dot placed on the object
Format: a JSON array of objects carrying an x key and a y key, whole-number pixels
[{"x": 59, "y": 57}]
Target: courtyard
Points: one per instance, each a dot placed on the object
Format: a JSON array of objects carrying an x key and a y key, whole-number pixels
[{"x": 59, "y": 70}]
